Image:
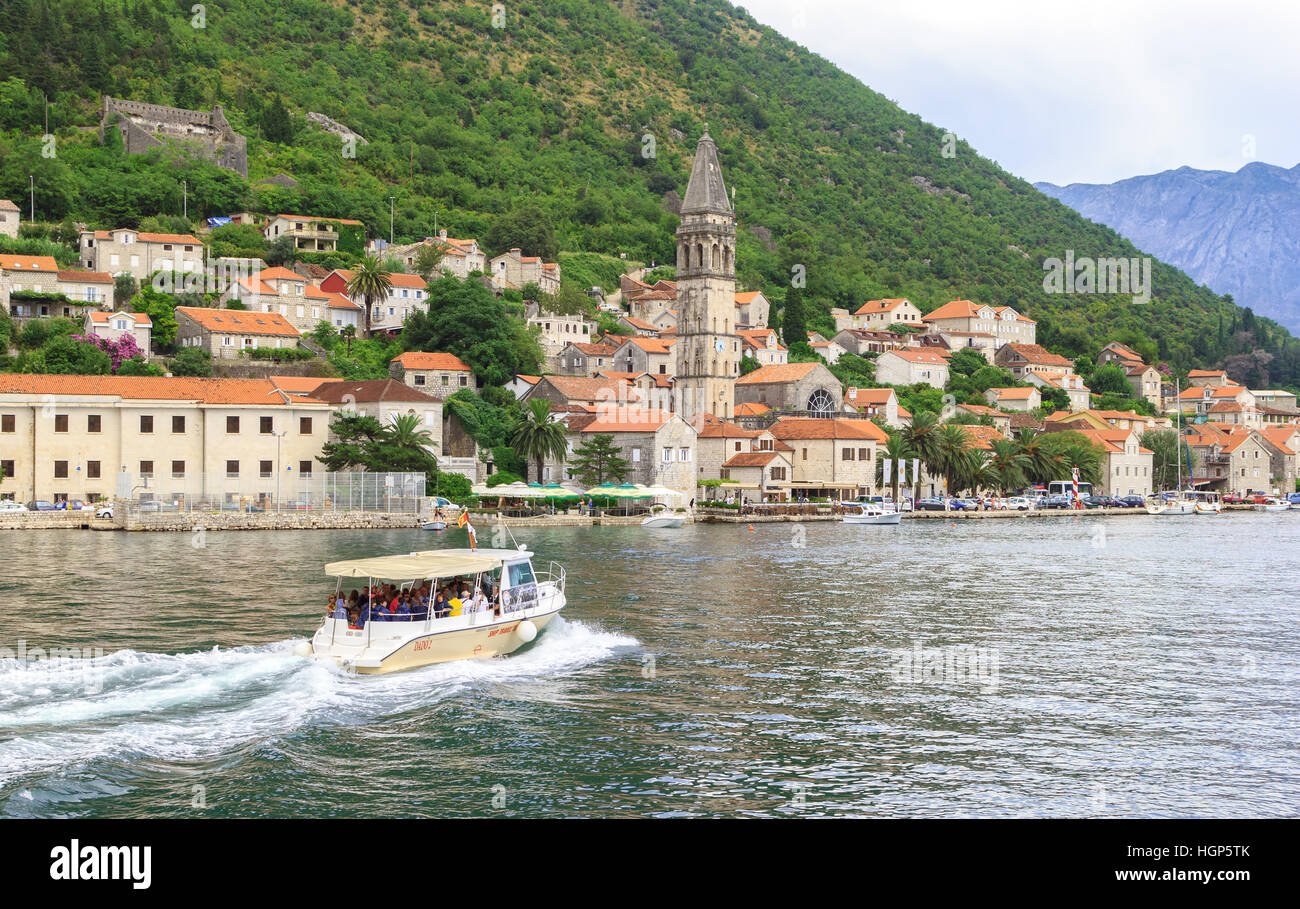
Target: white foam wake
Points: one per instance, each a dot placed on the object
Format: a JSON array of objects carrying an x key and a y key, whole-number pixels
[{"x": 192, "y": 706}]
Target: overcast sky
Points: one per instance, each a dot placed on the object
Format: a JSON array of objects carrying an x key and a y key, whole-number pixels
[{"x": 1075, "y": 92}]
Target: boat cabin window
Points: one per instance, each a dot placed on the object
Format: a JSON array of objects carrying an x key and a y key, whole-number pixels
[{"x": 521, "y": 573}]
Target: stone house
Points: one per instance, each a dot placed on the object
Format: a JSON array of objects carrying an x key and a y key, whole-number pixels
[
  {"x": 224, "y": 333},
  {"x": 513, "y": 269},
  {"x": 437, "y": 374},
  {"x": 861, "y": 342},
  {"x": 877, "y": 315},
  {"x": 877, "y": 402},
  {"x": 460, "y": 257},
  {"x": 309, "y": 233},
  {"x": 911, "y": 366},
  {"x": 555, "y": 332},
  {"x": 1002, "y": 322},
  {"x": 762, "y": 345},
  {"x": 585, "y": 359},
  {"x": 9, "y": 218},
  {"x": 113, "y": 325},
  {"x": 752, "y": 309},
  {"x": 1018, "y": 399},
  {"x": 639, "y": 354},
  {"x": 140, "y": 254},
  {"x": 658, "y": 446}
]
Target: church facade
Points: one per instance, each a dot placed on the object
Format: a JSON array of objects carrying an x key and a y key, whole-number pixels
[{"x": 708, "y": 347}]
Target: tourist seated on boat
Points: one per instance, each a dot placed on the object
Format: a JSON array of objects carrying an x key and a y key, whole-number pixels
[
  {"x": 456, "y": 604},
  {"x": 340, "y": 608},
  {"x": 440, "y": 607},
  {"x": 401, "y": 609},
  {"x": 479, "y": 602},
  {"x": 354, "y": 618}
]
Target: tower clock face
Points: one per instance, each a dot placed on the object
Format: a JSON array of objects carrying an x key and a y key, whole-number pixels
[{"x": 719, "y": 345}]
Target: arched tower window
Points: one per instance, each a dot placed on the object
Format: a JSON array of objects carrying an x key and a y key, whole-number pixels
[
  {"x": 717, "y": 259},
  {"x": 821, "y": 402}
]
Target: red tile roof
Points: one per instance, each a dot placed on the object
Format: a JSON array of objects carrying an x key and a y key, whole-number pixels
[
  {"x": 413, "y": 359},
  {"x": 240, "y": 322},
  {"x": 147, "y": 388}
]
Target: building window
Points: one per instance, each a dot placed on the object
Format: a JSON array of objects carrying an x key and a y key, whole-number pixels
[
  {"x": 264, "y": 468},
  {"x": 668, "y": 455},
  {"x": 683, "y": 454},
  {"x": 232, "y": 468},
  {"x": 419, "y": 380},
  {"x": 304, "y": 425},
  {"x": 146, "y": 468},
  {"x": 846, "y": 454},
  {"x": 7, "y": 467},
  {"x": 864, "y": 454},
  {"x": 265, "y": 426},
  {"x": 92, "y": 470},
  {"x": 178, "y": 424},
  {"x": 60, "y": 422},
  {"x": 232, "y": 426},
  {"x": 60, "y": 470},
  {"x": 92, "y": 422},
  {"x": 178, "y": 468},
  {"x": 146, "y": 424},
  {"x": 7, "y": 422},
  {"x": 304, "y": 468}
]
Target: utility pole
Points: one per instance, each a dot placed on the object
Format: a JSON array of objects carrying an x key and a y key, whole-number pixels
[
  {"x": 185, "y": 199},
  {"x": 391, "y": 199},
  {"x": 32, "y": 177}
]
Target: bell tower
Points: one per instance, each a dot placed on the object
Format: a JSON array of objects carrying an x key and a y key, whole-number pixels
[{"x": 708, "y": 350}]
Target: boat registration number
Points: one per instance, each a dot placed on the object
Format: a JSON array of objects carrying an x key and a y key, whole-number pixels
[{"x": 506, "y": 630}]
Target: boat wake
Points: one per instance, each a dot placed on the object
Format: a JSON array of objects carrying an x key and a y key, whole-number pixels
[{"x": 133, "y": 706}]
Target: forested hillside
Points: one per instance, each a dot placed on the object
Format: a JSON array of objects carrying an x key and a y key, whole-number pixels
[{"x": 572, "y": 125}]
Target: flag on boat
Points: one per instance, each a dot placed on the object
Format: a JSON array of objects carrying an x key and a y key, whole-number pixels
[{"x": 463, "y": 519}]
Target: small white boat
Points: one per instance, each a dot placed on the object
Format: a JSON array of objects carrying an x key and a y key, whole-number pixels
[
  {"x": 1274, "y": 505},
  {"x": 1208, "y": 503},
  {"x": 663, "y": 518},
  {"x": 435, "y": 524},
  {"x": 1160, "y": 505},
  {"x": 518, "y": 605},
  {"x": 869, "y": 513}
]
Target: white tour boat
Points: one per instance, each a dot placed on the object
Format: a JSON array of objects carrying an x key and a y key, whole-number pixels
[
  {"x": 517, "y": 604},
  {"x": 869, "y": 513},
  {"x": 1274, "y": 505}
]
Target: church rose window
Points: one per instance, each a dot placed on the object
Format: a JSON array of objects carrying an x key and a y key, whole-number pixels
[{"x": 820, "y": 401}]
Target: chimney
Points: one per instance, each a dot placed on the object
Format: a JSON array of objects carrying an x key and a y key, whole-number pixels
[{"x": 442, "y": 234}]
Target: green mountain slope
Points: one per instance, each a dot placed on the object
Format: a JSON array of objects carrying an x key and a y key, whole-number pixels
[{"x": 556, "y": 115}]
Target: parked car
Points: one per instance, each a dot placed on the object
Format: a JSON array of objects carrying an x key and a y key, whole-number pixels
[
  {"x": 1057, "y": 502},
  {"x": 11, "y": 505},
  {"x": 1232, "y": 498},
  {"x": 41, "y": 505},
  {"x": 932, "y": 503},
  {"x": 105, "y": 511},
  {"x": 1130, "y": 501},
  {"x": 1092, "y": 501},
  {"x": 1017, "y": 503},
  {"x": 1258, "y": 498},
  {"x": 1294, "y": 498},
  {"x": 960, "y": 504}
]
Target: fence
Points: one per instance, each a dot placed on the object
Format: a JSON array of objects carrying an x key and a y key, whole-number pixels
[{"x": 290, "y": 491}]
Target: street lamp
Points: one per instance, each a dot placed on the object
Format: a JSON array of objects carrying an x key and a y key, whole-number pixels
[
  {"x": 278, "y": 436},
  {"x": 391, "y": 200}
]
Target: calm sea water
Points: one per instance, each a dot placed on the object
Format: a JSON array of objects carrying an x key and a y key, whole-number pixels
[{"x": 1069, "y": 667}]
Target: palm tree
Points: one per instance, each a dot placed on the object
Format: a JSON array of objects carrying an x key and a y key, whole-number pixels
[
  {"x": 1041, "y": 466},
  {"x": 370, "y": 282},
  {"x": 347, "y": 333},
  {"x": 920, "y": 438},
  {"x": 535, "y": 436},
  {"x": 951, "y": 444},
  {"x": 405, "y": 432},
  {"x": 1008, "y": 465}
]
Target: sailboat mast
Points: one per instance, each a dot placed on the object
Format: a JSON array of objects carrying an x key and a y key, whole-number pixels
[{"x": 1178, "y": 432}]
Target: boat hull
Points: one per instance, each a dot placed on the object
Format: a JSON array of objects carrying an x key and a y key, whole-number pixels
[
  {"x": 395, "y": 647},
  {"x": 888, "y": 518},
  {"x": 673, "y": 521},
  {"x": 1202, "y": 508}
]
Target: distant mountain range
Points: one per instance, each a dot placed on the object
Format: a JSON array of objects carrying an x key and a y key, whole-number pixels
[{"x": 1238, "y": 233}]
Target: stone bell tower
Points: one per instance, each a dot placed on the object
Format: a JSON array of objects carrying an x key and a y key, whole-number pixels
[{"x": 708, "y": 350}]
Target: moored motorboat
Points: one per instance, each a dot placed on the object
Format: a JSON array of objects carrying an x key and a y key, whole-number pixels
[
  {"x": 1207, "y": 503},
  {"x": 515, "y": 606},
  {"x": 434, "y": 525},
  {"x": 869, "y": 513},
  {"x": 1273, "y": 505},
  {"x": 1166, "y": 506},
  {"x": 661, "y": 516}
]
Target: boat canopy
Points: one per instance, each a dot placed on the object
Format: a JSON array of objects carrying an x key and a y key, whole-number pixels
[{"x": 432, "y": 564}]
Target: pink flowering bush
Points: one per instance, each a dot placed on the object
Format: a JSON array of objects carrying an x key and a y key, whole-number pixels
[{"x": 119, "y": 350}]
